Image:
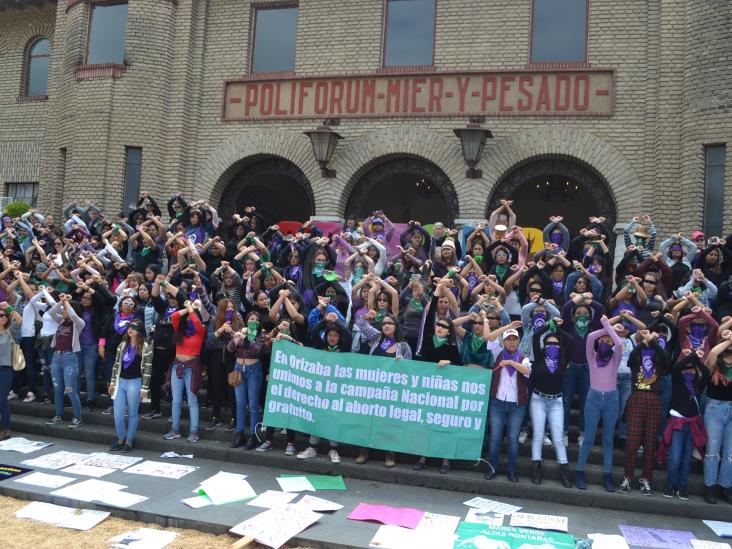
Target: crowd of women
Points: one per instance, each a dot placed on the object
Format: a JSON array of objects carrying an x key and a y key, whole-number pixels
[{"x": 155, "y": 306}]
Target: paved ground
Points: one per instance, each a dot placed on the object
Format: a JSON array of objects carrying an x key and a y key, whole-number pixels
[{"x": 333, "y": 530}]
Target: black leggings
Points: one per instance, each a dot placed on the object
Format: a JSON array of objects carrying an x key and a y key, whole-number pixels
[
  {"x": 162, "y": 359},
  {"x": 219, "y": 362}
]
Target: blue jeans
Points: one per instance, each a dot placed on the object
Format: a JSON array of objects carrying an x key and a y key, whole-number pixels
[
  {"x": 576, "y": 380},
  {"x": 176, "y": 387},
  {"x": 603, "y": 405},
  {"x": 127, "y": 400},
  {"x": 247, "y": 392},
  {"x": 679, "y": 459},
  {"x": 510, "y": 414},
  {"x": 6, "y": 382},
  {"x": 88, "y": 357},
  {"x": 541, "y": 409},
  {"x": 65, "y": 374},
  {"x": 665, "y": 402},
  {"x": 718, "y": 456},
  {"x": 624, "y": 389}
]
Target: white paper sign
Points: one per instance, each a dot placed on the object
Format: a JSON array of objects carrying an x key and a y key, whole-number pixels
[
  {"x": 110, "y": 461},
  {"x": 542, "y": 522},
  {"x": 722, "y": 529},
  {"x": 271, "y": 499},
  {"x": 55, "y": 460},
  {"x": 144, "y": 538},
  {"x": 120, "y": 499},
  {"x": 318, "y": 504},
  {"x": 275, "y": 526},
  {"x": 434, "y": 522},
  {"x": 701, "y": 544},
  {"x": 88, "y": 490},
  {"x": 88, "y": 470},
  {"x": 221, "y": 493},
  {"x": 608, "y": 541},
  {"x": 396, "y": 537},
  {"x": 197, "y": 502},
  {"x": 161, "y": 469},
  {"x": 23, "y": 445},
  {"x": 484, "y": 517},
  {"x": 44, "y": 480},
  {"x": 295, "y": 484},
  {"x": 492, "y": 505},
  {"x": 64, "y": 517}
]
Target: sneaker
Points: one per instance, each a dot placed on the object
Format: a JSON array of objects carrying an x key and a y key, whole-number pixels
[
  {"x": 645, "y": 487},
  {"x": 290, "y": 450},
  {"x": 170, "y": 435},
  {"x": 580, "y": 440},
  {"x": 710, "y": 495},
  {"x": 682, "y": 494},
  {"x": 215, "y": 422},
  {"x": 334, "y": 457},
  {"x": 266, "y": 446},
  {"x": 108, "y": 411},
  {"x": 75, "y": 423},
  {"x": 55, "y": 420},
  {"x": 668, "y": 492},
  {"x": 116, "y": 447},
  {"x": 547, "y": 440},
  {"x": 152, "y": 414},
  {"x": 12, "y": 395},
  {"x": 363, "y": 456},
  {"x": 523, "y": 436},
  {"x": 389, "y": 460},
  {"x": 307, "y": 453},
  {"x": 232, "y": 425},
  {"x": 192, "y": 438},
  {"x": 624, "y": 487},
  {"x": 127, "y": 448},
  {"x": 30, "y": 397}
]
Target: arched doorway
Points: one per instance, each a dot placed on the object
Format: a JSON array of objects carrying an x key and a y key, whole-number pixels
[
  {"x": 544, "y": 187},
  {"x": 275, "y": 186},
  {"x": 404, "y": 188}
]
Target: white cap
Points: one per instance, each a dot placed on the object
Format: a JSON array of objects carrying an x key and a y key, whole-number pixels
[
  {"x": 501, "y": 228},
  {"x": 510, "y": 332}
]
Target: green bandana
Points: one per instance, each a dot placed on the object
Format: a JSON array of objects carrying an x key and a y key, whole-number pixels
[
  {"x": 380, "y": 315},
  {"x": 582, "y": 324},
  {"x": 476, "y": 343},
  {"x": 438, "y": 341},
  {"x": 416, "y": 304},
  {"x": 252, "y": 329},
  {"x": 478, "y": 258},
  {"x": 501, "y": 270},
  {"x": 333, "y": 348}
]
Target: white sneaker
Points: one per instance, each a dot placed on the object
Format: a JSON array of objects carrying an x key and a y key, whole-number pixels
[
  {"x": 290, "y": 450},
  {"x": 30, "y": 397},
  {"x": 12, "y": 395},
  {"x": 307, "y": 453},
  {"x": 580, "y": 439},
  {"x": 334, "y": 457},
  {"x": 696, "y": 455},
  {"x": 523, "y": 435},
  {"x": 547, "y": 440}
]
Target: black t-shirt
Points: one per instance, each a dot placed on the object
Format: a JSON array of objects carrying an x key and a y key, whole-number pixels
[
  {"x": 719, "y": 391},
  {"x": 133, "y": 371}
]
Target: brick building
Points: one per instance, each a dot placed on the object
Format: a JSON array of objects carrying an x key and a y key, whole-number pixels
[{"x": 594, "y": 106}]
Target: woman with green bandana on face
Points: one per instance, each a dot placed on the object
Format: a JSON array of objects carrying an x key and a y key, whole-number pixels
[
  {"x": 252, "y": 353},
  {"x": 580, "y": 316},
  {"x": 383, "y": 298},
  {"x": 644, "y": 236}
]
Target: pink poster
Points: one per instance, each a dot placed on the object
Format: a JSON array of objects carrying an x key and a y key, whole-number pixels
[{"x": 395, "y": 516}]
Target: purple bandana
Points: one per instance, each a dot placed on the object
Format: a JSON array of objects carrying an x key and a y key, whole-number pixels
[
  {"x": 229, "y": 315},
  {"x": 689, "y": 378},
  {"x": 121, "y": 321},
  {"x": 551, "y": 357},
  {"x": 505, "y": 355},
  {"x": 662, "y": 342},
  {"x": 169, "y": 311},
  {"x": 696, "y": 336},
  {"x": 556, "y": 238},
  {"x": 604, "y": 353},
  {"x": 558, "y": 286},
  {"x": 538, "y": 321},
  {"x": 386, "y": 343},
  {"x": 128, "y": 356},
  {"x": 647, "y": 362}
]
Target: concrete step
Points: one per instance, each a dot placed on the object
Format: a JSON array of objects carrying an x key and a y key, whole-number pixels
[{"x": 463, "y": 476}]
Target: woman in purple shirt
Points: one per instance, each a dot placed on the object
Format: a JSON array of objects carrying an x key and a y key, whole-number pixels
[{"x": 604, "y": 352}]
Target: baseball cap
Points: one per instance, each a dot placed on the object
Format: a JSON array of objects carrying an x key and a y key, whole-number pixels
[{"x": 510, "y": 332}]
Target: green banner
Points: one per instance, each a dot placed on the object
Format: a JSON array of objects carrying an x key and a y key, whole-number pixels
[
  {"x": 378, "y": 402},
  {"x": 480, "y": 536}
]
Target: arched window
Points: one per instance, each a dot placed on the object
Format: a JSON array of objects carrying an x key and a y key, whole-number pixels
[{"x": 36, "y": 68}]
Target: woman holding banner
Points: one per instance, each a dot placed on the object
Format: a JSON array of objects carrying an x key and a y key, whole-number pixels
[{"x": 385, "y": 342}]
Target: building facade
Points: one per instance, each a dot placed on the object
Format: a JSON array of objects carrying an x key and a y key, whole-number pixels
[{"x": 595, "y": 107}]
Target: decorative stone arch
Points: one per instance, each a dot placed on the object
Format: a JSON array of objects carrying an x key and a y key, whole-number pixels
[
  {"x": 562, "y": 142},
  {"x": 533, "y": 168},
  {"x": 359, "y": 156},
  {"x": 370, "y": 175},
  {"x": 232, "y": 156}
]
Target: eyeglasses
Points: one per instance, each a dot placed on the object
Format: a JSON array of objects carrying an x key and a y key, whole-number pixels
[
  {"x": 58, "y": 243},
  {"x": 388, "y": 323},
  {"x": 535, "y": 290},
  {"x": 3, "y": 315},
  {"x": 491, "y": 318}
]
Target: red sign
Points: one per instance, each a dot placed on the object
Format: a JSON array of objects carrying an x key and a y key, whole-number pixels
[{"x": 542, "y": 93}]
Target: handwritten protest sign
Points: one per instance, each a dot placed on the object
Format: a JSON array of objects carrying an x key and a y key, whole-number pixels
[{"x": 378, "y": 402}]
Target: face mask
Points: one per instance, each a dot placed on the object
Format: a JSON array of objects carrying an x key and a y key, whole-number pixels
[
  {"x": 604, "y": 353},
  {"x": 696, "y": 335},
  {"x": 285, "y": 332},
  {"x": 581, "y": 324},
  {"x": 556, "y": 238},
  {"x": 640, "y": 242},
  {"x": 229, "y": 316},
  {"x": 358, "y": 273},
  {"x": 318, "y": 267},
  {"x": 479, "y": 259},
  {"x": 252, "y": 330},
  {"x": 551, "y": 352},
  {"x": 538, "y": 320}
]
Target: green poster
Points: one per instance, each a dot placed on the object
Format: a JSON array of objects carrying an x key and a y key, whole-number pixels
[
  {"x": 378, "y": 402},
  {"x": 484, "y": 536}
]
